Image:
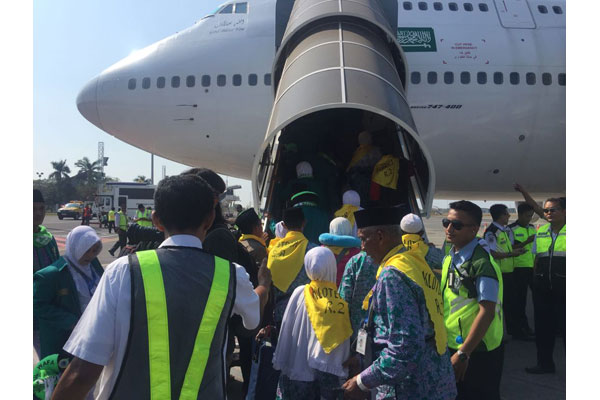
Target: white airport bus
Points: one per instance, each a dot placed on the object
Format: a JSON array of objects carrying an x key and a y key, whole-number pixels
[{"x": 126, "y": 195}]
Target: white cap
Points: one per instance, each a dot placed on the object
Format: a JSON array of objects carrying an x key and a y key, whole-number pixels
[
  {"x": 411, "y": 223},
  {"x": 304, "y": 170},
  {"x": 351, "y": 197},
  {"x": 340, "y": 226}
]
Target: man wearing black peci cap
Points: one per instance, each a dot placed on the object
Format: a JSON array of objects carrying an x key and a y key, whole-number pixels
[{"x": 409, "y": 350}]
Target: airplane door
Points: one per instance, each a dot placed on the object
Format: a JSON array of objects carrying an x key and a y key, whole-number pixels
[{"x": 514, "y": 14}]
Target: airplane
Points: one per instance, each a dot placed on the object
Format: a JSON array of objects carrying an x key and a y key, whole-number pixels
[{"x": 475, "y": 89}]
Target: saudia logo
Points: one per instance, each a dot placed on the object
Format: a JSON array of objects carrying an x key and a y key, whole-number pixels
[{"x": 416, "y": 39}]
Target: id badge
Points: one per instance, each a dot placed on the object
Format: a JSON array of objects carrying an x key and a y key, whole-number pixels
[
  {"x": 361, "y": 342},
  {"x": 451, "y": 280}
]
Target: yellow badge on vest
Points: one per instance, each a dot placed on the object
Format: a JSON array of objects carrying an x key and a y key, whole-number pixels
[{"x": 328, "y": 314}]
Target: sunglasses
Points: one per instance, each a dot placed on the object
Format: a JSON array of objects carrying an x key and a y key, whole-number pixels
[
  {"x": 550, "y": 210},
  {"x": 456, "y": 224}
]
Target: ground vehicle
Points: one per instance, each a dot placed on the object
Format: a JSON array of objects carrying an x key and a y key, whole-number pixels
[
  {"x": 73, "y": 209},
  {"x": 126, "y": 195}
]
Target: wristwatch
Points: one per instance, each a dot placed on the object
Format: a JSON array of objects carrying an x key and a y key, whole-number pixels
[{"x": 462, "y": 356}]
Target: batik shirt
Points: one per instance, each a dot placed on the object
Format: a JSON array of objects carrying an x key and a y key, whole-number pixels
[
  {"x": 406, "y": 365},
  {"x": 45, "y": 255},
  {"x": 358, "y": 279}
]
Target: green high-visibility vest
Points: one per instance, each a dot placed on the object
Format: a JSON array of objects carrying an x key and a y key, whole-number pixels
[
  {"x": 111, "y": 215},
  {"x": 446, "y": 247},
  {"x": 521, "y": 234},
  {"x": 122, "y": 221},
  {"x": 545, "y": 246},
  {"x": 503, "y": 245},
  {"x": 144, "y": 214},
  {"x": 460, "y": 309}
]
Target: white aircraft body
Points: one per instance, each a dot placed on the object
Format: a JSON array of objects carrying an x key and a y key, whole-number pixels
[{"x": 485, "y": 82}]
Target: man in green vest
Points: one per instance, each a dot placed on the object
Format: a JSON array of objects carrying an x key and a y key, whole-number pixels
[
  {"x": 111, "y": 220},
  {"x": 472, "y": 295},
  {"x": 500, "y": 241},
  {"x": 121, "y": 229},
  {"x": 524, "y": 233},
  {"x": 143, "y": 216},
  {"x": 158, "y": 322}
]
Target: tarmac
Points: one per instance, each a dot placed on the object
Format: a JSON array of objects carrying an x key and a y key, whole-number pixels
[{"x": 516, "y": 383}]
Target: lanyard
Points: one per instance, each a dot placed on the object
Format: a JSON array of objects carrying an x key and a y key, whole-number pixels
[{"x": 92, "y": 282}]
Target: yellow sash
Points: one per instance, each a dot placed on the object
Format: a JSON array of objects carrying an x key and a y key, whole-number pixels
[
  {"x": 258, "y": 239},
  {"x": 385, "y": 172},
  {"x": 328, "y": 314},
  {"x": 272, "y": 244},
  {"x": 347, "y": 211},
  {"x": 286, "y": 259},
  {"x": 359, "y": 153},
  {"x": 335, "y": 249},
  {"x": 412, "y": 263}
]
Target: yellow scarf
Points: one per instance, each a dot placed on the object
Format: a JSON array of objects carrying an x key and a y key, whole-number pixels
[
  {"x": 272, "y": 244},
  {"x": 246, "y": 237},
  {"x": 409, "y": 258},
  {"x": 286, "y": 259},
  {"x": 335, "y": 249},
  {"x": 328, "y": 314},
  {"x": 361, "y": 151},
  {"x": 385, "y": 172},
  {"x": 347, "y": 211}
]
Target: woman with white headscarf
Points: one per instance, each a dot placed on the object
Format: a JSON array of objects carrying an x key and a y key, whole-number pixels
[
  {"x": 62, "y": 290},
  {"x": 314, "y": 338}
]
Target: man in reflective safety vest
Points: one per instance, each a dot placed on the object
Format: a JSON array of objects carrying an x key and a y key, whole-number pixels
[
  {"x": 524, "y": 233},
  {"x": 500, "y": 240},
  {"x": 158, "y": 321},
  {"x": 121, "y": 229},
  {"x": 143, "y": 216},
  {"x": 472, "y": 295},
  {"x": 111, "y": 219}
]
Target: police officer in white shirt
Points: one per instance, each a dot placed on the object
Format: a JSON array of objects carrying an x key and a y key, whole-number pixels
[{"x": 181, "y": 299}]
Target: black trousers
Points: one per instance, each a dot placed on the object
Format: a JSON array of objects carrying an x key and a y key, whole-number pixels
[
  {"x": 523, "y": 277},
  {"x": 111, "y": 226},
  {"x": 122, "y": 242},
  {"x": 549, "y": 307},
  {"x": 482, "y": 379},
  {"x": 509, "y": 303}
]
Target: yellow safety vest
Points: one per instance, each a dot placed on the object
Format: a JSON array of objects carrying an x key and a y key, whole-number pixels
[
  {"x": 545, "y": 246},
  {"x": 144, "y": 214},
  {"x": 122, "y": 221},
  {"x": 111, "y": 216},
  {"x": 521, "y": 234},
  {"x": 503, "y": 245},
  {"x": 460, "y": 309}
]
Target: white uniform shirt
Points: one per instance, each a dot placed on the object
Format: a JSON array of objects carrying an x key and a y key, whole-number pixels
[
  {"x": 100, "y": 336},
  {"x": 490, "y": 237}
]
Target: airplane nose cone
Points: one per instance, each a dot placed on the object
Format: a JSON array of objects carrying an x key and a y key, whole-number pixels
[{"x": 87, "y": 103}]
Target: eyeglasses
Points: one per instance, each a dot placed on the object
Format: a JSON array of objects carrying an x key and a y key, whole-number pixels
[
  {"x": 550, "y": 210},
  {"x": 458, "y": 225}
]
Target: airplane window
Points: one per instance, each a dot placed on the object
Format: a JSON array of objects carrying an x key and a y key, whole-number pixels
[
  {"x": 514, "y": 78},
  {"x": 175, "y": 82},
  {"x": 145, "y": 83},
  {"x": 160, "y": 82},
  {"x": 190, "y": 81},
  {"x": 206, "y": 80},
  {"x": 422, "y": 6},
  {"x": 228, "y": 9},
  {"x": 465, "y": 77},
  {"x": 131, "y": 84},
  {"x": 415, "y": 78},
  {"x": 437, "y": 6},
  {"x": 453, "y": 6},
  {"x": 468, "y": 6},
  {"x": 241, "y": 8},
  {"x": 432, "y": 78},
  {"x": 562, "y": 79},
  {"x": 267, "y": 79},
  {"x": 483, "y": 7},
  {"x": 407, "y": 5},
  {"x": 481, "y": 78},
  {"x": 557, "y": 10},
  {"x": 448, "y": 77},
  {"x": 221, "y": 80},
  {"x": 252, "y": 79},
  {"x": 542, "y": 9},
  {"x": 547, "y": 78},
  {"x": 530, "y": 78},
  {"x": 237, "y": 80},
  {"x": 498, "y": 78}
]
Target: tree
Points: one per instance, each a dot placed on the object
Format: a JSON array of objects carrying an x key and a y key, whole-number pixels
[
  {"x": 61, "y": 171},
  {"x": 89, "y": 172},
  {"x": 142, "y": 179}
]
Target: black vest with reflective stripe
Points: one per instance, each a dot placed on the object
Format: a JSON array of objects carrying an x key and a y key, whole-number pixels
[{"x": 187, "y": 275}]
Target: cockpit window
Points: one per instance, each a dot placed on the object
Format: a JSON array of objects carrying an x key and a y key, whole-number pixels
[
  {"x": 241, "y": 8},
  {"x": 228, "y": 9}
]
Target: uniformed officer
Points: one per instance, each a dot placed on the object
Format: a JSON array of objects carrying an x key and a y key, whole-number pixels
[
  {"x": 143, "y": 216},
  {"x": 472, "y": 295},
  {"x": 111, "y": 220},
  {"x": 121, "y": 229},
  {"x": 523, "y": 233},
  {"x": 158, "y": 320},
  {"x": 500, "y": 241}
]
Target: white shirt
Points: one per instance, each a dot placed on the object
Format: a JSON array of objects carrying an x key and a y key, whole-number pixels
[
  {"x": 490, "y": 237},
  {"x": 100, "y": 336}
]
